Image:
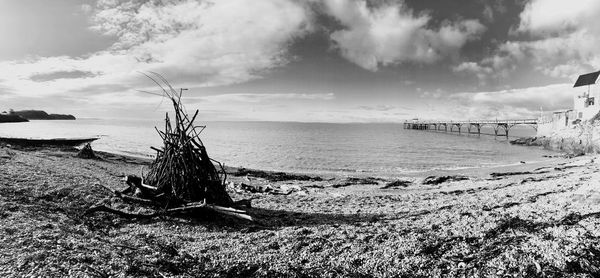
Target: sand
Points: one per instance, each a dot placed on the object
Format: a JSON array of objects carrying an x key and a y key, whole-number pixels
[{"x": 541, "y": 222}]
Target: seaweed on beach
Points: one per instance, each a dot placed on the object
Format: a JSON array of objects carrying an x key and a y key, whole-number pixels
[
  {"x": 435, "y": 180},
  {"x": 275, "y": 176},
  {"x": 182, "y": 178}
]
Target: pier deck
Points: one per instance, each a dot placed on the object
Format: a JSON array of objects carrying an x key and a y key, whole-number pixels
[{"x": 501, "y": 127}]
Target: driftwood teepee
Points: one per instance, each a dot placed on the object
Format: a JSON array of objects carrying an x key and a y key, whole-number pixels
[
  {"x": 183, "y": 171},
  {"x": 182, "y": 178}
]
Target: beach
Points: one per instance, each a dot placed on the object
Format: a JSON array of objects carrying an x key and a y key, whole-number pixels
[{"x": 534, "y": 219}]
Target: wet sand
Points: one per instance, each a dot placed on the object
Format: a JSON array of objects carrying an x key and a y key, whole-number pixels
[{"x": 541, "y": 219}]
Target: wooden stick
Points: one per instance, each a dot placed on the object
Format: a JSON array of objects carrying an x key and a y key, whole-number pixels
[
  {"x": 226, "y": 209},
  {"x": 136, "y": 199},
  {"x": 234, "y": 214}
]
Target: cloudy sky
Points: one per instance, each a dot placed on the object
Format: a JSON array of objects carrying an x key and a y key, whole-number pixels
[{"x": 293, "y": 60}]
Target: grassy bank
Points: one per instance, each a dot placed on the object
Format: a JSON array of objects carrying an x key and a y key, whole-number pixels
[{"x": 541, "y": 221}]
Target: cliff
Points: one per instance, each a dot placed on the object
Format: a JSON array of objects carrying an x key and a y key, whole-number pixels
[
  {"x": 575, "y": 138},
  {"x": 581, "y": 138},
  {"x": 41, "y": 115},
  {"x": 12, "y": 119}
]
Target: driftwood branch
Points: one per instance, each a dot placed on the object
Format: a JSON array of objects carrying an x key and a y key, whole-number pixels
[
  {"x": 120, "y": 213},
  {"x": 221, "y": 210}
]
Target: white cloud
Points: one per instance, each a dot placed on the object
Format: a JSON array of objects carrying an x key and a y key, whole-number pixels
[
  {"x": 472, "y": 68},
  {"x": 557, "y": 16},
  {"x": 390, "y": 34},
  {"x": 488, "y": 13},
  {"x": 498, "y": 66},
  {"x": 513, "y": 103},
  {"x": 560, "y": 40},
  {"x": 257, "y": 98},
  {"x": 199, "y": 43},
  {"x": 567, "y": 35}
]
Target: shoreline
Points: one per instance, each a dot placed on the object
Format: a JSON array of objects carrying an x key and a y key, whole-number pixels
[
  {"x": 472, "y": 170},
  {"x": 506, "y": 222}
]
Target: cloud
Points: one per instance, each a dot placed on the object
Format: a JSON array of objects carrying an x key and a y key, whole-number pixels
[
  {"x": 377, "y": 107},
  {"x": 231, "y": 40},
  {"x": 389, "y": 34},
  {"x": 194, "y": 43},
  {"x": 497, "y": 67},
  {"x": 558, "y": 38},
  {"x": 488, "y": 13},
  {"x": 432, "y": 95},
  {"x": 258, "y": 98},
  {"x": 472, "y": 68},
  {"x": 513, "y": 103},
  {"x": 566, "y": 36},
  {"x": 41, "y": 77},
  {"x": 552, "y": 17}
]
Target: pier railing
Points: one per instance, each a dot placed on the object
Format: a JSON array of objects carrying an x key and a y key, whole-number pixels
[{"x": 475, "y": 125}]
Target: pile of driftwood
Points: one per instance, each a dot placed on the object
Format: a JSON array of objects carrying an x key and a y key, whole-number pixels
[{"x": 182, "y": 178}]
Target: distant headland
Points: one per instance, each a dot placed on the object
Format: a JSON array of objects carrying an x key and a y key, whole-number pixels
[{"x": 26, "y": 115}]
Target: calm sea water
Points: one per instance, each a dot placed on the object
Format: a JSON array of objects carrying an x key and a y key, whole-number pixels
[{"x": 346, "y": 149}]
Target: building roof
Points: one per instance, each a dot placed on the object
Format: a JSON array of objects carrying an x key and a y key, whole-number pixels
[{"x": 587, "y": 79}]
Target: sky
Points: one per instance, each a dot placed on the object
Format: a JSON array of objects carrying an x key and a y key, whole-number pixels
[{"x": 293, "y": 60}]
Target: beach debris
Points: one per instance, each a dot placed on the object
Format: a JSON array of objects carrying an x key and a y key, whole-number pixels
[
  {"x": 276, "y": 189},
  {"x": 567, "y": 167},
  {"x": 396, "y": 184},
  {"x": 256, "y": 188},
  {"x": 182, "y": 178},
  {"x": 86, "y": 152},
  {"x": 435, "y": 180}
]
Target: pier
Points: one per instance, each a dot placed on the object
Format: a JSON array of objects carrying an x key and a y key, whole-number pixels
[{"x": 501, "y": 127}]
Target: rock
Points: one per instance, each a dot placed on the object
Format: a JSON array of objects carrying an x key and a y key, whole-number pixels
[
  {"x": 86, "y": 152},
  {"x": 527, "y": 141},
  {"x": 292, "y": 187}
]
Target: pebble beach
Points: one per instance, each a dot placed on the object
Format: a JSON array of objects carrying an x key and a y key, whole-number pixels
[{"x": 530, "y": 220}]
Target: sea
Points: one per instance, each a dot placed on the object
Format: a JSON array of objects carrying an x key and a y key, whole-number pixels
[{"x": 352, "y": 149}]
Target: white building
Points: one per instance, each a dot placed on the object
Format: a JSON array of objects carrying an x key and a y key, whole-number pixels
[
  {"x": 587, "y": 96},
  {"x": 586, "y": 105}
]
